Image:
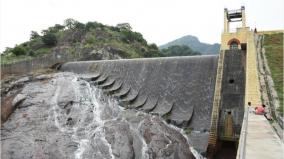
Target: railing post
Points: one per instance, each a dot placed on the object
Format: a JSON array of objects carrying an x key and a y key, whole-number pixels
[{"x": 242, "y": 141}]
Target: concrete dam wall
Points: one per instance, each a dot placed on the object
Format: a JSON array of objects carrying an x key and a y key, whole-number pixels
[
  {"x": 180, "y": 89},
  {"x": 233, "y": 93}
]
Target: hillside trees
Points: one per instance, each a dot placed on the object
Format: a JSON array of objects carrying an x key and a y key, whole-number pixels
[
  {"x": 34, "y": 35},
  {"x": 19, "y": 50},
  {"x": 76, "y": 35},
  {"x": 70, "y": 23},
  {"x": 49, "y": 39},
  {"x": 179, "y": 50}
]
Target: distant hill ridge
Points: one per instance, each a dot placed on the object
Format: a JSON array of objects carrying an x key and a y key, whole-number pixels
[{"x": 194, "y": 43}]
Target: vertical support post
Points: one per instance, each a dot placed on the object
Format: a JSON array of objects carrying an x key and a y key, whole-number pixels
[
  {"x": 243, "y": 17},
  {"x": 226, "y": 21}
]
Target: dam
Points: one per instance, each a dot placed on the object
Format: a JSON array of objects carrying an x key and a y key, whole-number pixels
[
  {"x": 168, "y": 107},
  {"x": 180, "y": 89}
]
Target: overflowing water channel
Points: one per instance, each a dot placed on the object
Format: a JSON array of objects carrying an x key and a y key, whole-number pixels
[{"x": 68, "y": 117}]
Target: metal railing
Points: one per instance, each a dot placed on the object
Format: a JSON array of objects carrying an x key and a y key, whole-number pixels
[{"x": 242, "y": 142}]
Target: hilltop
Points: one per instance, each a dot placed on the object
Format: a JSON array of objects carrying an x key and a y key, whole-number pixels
[
  {"x": 91, "y": 40},
  {"x": 194, "y": 43}
]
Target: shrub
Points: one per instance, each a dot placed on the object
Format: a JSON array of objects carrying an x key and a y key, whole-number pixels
[
  {"x": 49, "y": 39},
  {"x": 92, "y": 25},
  {"x": 31, "y": 53},
  {"x": 116, "y": 29},
  {"x": 153, "y": 46},
  {"x": 90, "y": 39},
  {"x": 19, "y": 50},
  {"x": 42, "y": 51},
  {"x": 129, "y": 36},
  {"x": 79, "y": 26},
  {"x": 152, "y": 53},
  {"x": 179, "y": 50}
]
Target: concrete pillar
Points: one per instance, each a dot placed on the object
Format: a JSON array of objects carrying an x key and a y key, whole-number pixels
[
  {"x": 243, "y": 17},
  {"x": 226, "y": 22}
]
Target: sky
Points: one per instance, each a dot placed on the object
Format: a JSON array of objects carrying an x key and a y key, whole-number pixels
[{"x": 160, "y": 21}]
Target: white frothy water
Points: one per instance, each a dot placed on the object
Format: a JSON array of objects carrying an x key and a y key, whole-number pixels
[
  {"x": 82, "y": 146},
  {"x": 94, "y": 96},
  {"x": 88, "y": 98},
  {"x": 196, "y": 154},
  {"x": 144, "y": 144}
]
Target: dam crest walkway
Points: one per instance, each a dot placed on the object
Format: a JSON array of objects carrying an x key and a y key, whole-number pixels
[{"x": 261, "y": 141}]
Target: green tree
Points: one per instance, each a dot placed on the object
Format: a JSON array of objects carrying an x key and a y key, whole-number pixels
[
  {"x": 91, "y": 25},
  {"x": 70, "y": 23},
  {"x": 49, "y": 39},
  {"x": 19, "y": 50},
  {"x": 129, "y": 36},
  {"x": 153, "y": 53},
  {"x": 34, "y": 35},
  {"x": 179, "y": 50},
  {"x": 79, "y": 26},
  {"x": 154, "y": 46}
]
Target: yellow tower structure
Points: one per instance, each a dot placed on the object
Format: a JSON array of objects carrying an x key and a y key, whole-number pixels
[
  {"x": 244, "y": 39},
  {"x": 237, "y": 53}
]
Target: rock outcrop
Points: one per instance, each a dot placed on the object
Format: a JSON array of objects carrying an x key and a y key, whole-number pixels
[{"x": 66, "y": 116}]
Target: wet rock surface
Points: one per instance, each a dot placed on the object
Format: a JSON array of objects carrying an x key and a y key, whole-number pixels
[{"x": 65, "y": 116}]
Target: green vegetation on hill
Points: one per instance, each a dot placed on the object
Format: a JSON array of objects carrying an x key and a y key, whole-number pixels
[
  {"x": 74, "y": 35},
  {"x": 179, "y": 50},
  {"x": 194, "y": 44},
  {"x": 273, "y": 44}
]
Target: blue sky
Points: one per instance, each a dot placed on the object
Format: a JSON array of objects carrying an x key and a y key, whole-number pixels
[{"x": 160, "y": 21}]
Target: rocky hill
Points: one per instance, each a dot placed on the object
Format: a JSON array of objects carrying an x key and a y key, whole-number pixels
[
  {"x": 90, "y": 40},
  {"x": 194, "y": 43}
]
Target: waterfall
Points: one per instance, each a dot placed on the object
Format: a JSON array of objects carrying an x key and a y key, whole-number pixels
[{"x": 88, "y": 116}]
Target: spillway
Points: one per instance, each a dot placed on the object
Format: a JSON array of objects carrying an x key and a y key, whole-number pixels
[{"x": 179, "y": 89}]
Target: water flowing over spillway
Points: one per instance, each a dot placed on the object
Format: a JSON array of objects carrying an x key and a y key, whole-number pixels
[{"x": 68, "y": 117}]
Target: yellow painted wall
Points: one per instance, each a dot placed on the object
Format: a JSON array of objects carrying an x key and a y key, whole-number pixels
[
  {"x": 252, "y": 92},
  {"x": 241, "y": 35}
]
